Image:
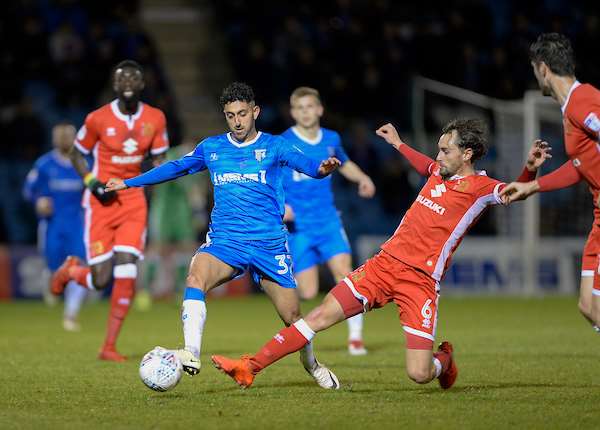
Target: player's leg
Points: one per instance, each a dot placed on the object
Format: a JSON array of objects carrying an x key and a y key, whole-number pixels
[
  {"x": 589, "y": 268},
  {"x": 306, "y": 261},
  {"x": 75, "y": 293},
  {"x": 340, "y": 265},
  {"x": 289, "y": 340},
  {"x": 596, "y": 297},
  {"x": 416, "y": 296},
  {"x": 124, "y": 277},
  {"x": 98, "y": 238},
  {"x": 586, "y": 287},
  {"x": 347, "y": 299},
  {"x": 308, "y": 282}
]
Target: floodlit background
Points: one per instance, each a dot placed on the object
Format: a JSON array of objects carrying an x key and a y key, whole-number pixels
[{"x": 416, "y": 64}]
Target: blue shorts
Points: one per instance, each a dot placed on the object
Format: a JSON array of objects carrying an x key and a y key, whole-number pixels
[
  {"x": 57, "y": 242},
  {"x": 313, "y": 247},
  {"x": 270, "y": 259}
]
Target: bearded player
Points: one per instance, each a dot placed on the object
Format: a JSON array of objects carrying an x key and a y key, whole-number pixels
[
  {"x": 119, "y": 135},
  {"x": 316, "y": 232},
  {"x": 411, "y": 264},
  {"x": 553, "y": 63}
]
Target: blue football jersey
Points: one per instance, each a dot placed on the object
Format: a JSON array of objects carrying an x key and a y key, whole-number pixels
[
  {"x": 247, "y": 180},
  {"x": 54, "y": 176},
  {"x": 310, "y": 199}
]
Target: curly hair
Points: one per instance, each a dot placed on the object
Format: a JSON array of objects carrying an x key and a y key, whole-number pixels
[
  {"x": 237, "y": 92},
  {"x": 555, "y": 51},
  {"x": 472, "y": 133}
]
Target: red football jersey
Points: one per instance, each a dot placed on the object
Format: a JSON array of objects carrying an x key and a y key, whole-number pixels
[
  {"x": 119, "y": 142},
  {"x": 581, "y": 122},
  {"x": 437, "y": 221}
]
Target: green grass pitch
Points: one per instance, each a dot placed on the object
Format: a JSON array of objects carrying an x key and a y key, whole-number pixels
[{"x": 524, "y": 363}]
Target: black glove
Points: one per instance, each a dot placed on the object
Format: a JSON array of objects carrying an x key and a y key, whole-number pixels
[{"x": 97, "y": 189}]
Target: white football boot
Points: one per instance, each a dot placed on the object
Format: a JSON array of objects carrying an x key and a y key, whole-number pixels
[
  {"x": 321, "y": 374},
  {"x": 191, "y": 364}
]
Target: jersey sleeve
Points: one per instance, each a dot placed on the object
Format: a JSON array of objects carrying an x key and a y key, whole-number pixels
[
  {"x": 160, "y": 143},
  {"x": 420, "y": 162},
  {"x": 187, "y": 165},
  {"x": 87, "y": 136},
  {"x": 290, "y": 155},
  {"x": 563, "y": 177},
  {"x": 586, "y": 112},
  {"x": 36, "y": 184},
  {"x": 489, "y": 191},
  {"x": 340, "y": 153}
]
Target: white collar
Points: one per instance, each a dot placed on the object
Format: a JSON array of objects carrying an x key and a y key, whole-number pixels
[
  {"x": 314, "y": 141},
  {"x": 243, "y": 144},
  {"x": 563, "y": 108},
  {"x": 129, "y": 119}
]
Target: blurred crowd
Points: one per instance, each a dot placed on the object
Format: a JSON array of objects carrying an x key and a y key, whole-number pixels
[
  {"x": 56, "y": 58},
  {"x": 361, "y": 55}
]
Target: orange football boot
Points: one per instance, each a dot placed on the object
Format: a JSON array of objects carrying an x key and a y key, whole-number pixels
[
  {"x": 239, "y": 370},
  {"x": 61, "y": 277},
  {"x": 111, "y": 354},
  {"x": 448, "y": 377}
]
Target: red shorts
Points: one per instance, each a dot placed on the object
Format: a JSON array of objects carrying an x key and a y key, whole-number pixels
[
  {"x": 383, "y": 279},
  {"x": 117, "y": 227},
  {"x": 589, "y": 259}
]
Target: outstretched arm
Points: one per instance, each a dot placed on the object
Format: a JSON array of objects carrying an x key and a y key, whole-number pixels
[
  {"x": 292, "y": 157},
  {"x": 563, "y": 177},
  {"x": 420, "y": 162},
  {"x": 191, "y": 163}
]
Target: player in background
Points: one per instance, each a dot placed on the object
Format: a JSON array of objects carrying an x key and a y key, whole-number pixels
[
  {"x": 317, "y": 235},
  {"x": 553, "y": 63},
  {"x": 411, "y": 264},
  {"x": 119, "y": 135},
  {"x": 54, "y": 188},
  {"x": 246, "y": 232}
]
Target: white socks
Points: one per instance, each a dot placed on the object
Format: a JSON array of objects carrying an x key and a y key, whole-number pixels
[
  {"x": 438, "y": 367},
  {"x": 74, "y": 297},
  {"x": 355, "y": 327},
  {"x": 193, "y": 317}
]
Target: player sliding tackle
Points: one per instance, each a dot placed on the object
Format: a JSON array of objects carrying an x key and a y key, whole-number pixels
[
  {"x": 412, "y": 262},
  {"x": 246, "y": 231}
]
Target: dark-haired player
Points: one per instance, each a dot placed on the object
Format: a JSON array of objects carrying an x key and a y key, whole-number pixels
[
  {"x": 553, "y": 65},
  {"x": 119, "y": 135},
  {"x": 246, "y": 232},
  {"x": 411, "y": 263}
]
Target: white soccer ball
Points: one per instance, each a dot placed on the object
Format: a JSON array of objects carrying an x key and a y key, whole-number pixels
[{"x": 160, "y": 369}]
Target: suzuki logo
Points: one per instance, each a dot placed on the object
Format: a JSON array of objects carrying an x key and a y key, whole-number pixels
[
  {"x": 439, "y": 190},
  {"x": 130, "y": 146}
]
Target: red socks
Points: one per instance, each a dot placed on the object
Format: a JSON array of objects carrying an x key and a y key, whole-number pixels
[
  {"x": 283, "y": 343},
  {"x": 122, "y": 296}
]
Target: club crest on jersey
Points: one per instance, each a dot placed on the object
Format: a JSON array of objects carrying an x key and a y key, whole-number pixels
[
  {"x": 461, "y": 186},
  {"x": 110, "y": 131},
  {"x": 260, "y": 154},
  {"x": 213, "y": 156},
  {"x": 130, "y": 146},
  {"x": 438, "y": 191},
  {"x": 147, "y": 129},
  {"x": 331, "y": 151}
]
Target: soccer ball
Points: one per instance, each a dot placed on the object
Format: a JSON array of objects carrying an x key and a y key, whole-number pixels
[{"x": 160, "y": 369}]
